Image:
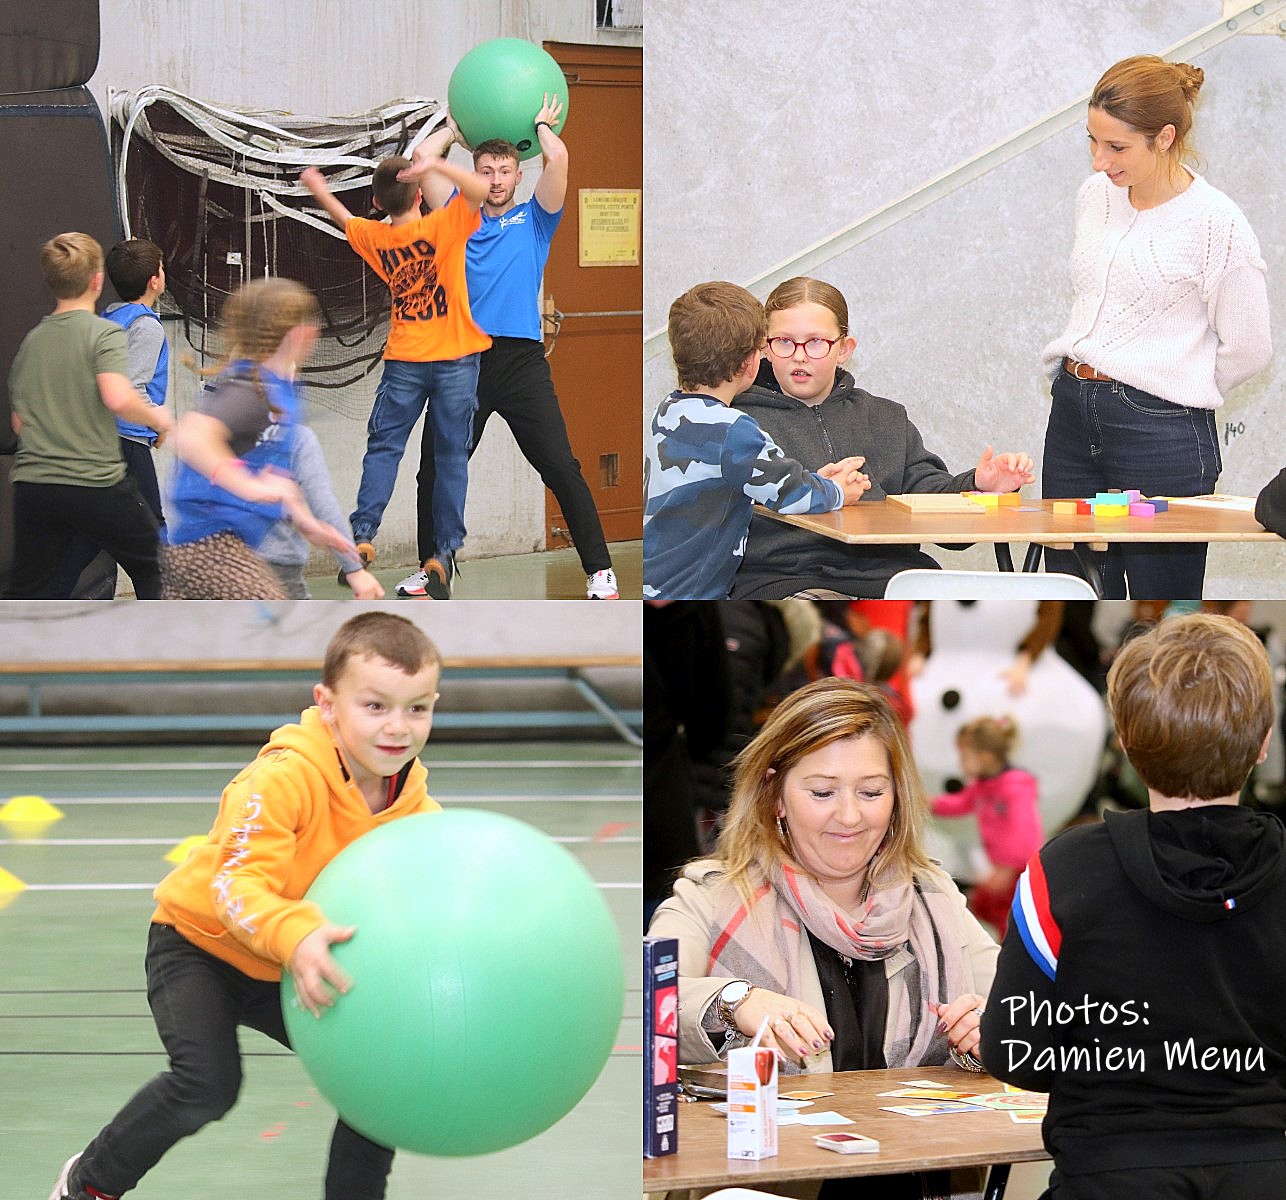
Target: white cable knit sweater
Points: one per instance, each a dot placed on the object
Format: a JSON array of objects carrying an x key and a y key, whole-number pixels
[{"x": 1172, "y": 300}]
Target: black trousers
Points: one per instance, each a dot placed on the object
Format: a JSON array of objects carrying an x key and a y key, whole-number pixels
[
  {"x": 514, "y": 381},
  {"x": 54, "y": 520},
  {"x": 198, "y": 1001},
  {"x": 93, "y": 573},
  {"x": 1227, "y": 1181}
]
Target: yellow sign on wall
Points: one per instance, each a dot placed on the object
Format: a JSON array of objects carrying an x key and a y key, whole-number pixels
[{"x": 610, "y": 227}]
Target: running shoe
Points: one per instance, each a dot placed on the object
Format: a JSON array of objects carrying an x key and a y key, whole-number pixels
[{"x": 602, "y": 585}]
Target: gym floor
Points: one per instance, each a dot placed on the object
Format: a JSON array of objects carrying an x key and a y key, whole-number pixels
[
  {"x": 542, "y": 575},
  {"x": 76, "y": 1037}
]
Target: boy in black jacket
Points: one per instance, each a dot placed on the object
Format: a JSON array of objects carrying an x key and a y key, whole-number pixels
[{"x": 1141, "y": 982}]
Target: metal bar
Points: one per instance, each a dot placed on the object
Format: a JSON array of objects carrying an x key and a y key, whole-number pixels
[
  {"x": 223, "y": 722},
  {"x": 620, "y": 312},
  {"x": 1004, "y": 560},
  {"x": 1089, "y": 568},
  {"x": 1032, "y": 561},
  {"x": 608, "y": 713},
  {"x": 811, "y": 257}
]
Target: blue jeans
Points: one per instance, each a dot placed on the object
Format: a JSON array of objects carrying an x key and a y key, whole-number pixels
[
  {"x": 450, "y": 389},
  {"x": 1110, "y": 435}
]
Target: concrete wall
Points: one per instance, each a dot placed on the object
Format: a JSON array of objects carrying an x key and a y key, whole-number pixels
[
  {"x": 331, "y": 58},
  {"x": 68, "y": 631},
  {"x": 769, "y": 130}
]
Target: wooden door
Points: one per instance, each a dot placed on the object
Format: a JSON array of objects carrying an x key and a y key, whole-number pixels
[{"x": 597, "y": 355}]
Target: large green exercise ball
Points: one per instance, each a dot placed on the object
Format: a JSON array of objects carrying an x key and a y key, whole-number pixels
[
  {"x": 497, "y": 89},
  {"x": 487, "y": 984}
]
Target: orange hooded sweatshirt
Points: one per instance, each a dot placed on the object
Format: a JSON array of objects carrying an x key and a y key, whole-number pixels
[{"x": 281, "y": 820}]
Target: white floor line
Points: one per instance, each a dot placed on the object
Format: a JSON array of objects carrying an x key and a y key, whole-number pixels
[
  {"x": 564, "y": 840},
  {"x": 442, "y": 798},
  {"x": 551, "y": 764},
  {"x": 147, "y": 887}
]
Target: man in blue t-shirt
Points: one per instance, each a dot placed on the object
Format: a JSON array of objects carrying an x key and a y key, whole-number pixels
[{"x": 504, "y": 261}]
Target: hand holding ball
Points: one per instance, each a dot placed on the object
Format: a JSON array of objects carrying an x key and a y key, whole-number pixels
[
  {"x": 486, "y": 982},
  {"x": 498, "y": 89}
]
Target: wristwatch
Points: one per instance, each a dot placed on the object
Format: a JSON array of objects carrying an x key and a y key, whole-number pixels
[{"x": 730, "y": 998}]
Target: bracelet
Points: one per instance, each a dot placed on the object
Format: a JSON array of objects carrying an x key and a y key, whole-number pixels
[
  {"x": 546, "y": 124},
  {"x": 967, "y": 1061}
]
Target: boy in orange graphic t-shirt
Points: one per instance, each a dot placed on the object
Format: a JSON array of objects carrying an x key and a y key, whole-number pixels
[{"x": 433, "y": 345}]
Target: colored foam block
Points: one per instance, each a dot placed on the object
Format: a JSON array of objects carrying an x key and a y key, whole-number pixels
[
  {"x": 1135, "y": 495},
  {"x": 1142, "y": 510},
  {"x": 1067, "y": 506},
  {"x": 1160, "y": 505},
  {"x": 1009, "y": 500},
  {"x": 986, "y": 499},
  {"x": 1107, "y": 498},
  {"x": 1084, "y": 506},
  {"x": 1111, "y": 510}
]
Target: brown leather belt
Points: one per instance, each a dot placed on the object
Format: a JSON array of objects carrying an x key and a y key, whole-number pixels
[{"x": 1084, "y": 371}]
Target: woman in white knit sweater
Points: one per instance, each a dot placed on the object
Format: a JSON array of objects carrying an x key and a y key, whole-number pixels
[{"x": 1170, "y": 311}]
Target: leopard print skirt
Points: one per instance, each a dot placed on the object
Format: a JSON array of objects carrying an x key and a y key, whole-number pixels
[{"x": 219, "y": 567}]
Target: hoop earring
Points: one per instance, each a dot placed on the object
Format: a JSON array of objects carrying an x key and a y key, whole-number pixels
[{"x": 781, "y": 833}]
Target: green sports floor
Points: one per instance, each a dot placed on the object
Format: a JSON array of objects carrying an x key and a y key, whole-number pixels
[{"x": 76, "y": 1037}]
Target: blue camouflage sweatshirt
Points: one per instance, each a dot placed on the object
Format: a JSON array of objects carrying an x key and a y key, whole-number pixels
[{"x": 705, "y": 467}]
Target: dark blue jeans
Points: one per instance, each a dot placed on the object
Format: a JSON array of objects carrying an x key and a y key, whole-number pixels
[
  {"x": 1109, "y": 435},
  {"x": 197, "y": 1002},
  {"x": 450, "y": 389}
]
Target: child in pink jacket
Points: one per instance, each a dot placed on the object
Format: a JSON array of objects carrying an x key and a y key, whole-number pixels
[{"x": 1008, "y": 819}]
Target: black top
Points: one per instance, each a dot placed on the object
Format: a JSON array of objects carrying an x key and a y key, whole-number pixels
[
  {"x": 1157, "y": 1024},
  {"x": 857, "y": 1005}
]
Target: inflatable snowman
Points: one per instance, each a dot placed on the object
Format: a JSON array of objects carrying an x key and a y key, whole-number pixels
[{"x": 1062, "y": 721}]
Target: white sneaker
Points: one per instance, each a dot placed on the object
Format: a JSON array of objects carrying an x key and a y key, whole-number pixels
[
  {"x": 602, "y": 586},
  {"x": 416, "y": 585},
  {"x": 60, "y": 1191}
]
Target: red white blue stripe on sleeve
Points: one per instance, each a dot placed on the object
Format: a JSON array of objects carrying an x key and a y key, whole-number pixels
[{"x": 1032, "y": 917}]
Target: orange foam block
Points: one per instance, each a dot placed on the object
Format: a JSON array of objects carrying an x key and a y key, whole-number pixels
[
  {"x": 1065, "y": 506},
  {"x": 1008, "y": 500}
]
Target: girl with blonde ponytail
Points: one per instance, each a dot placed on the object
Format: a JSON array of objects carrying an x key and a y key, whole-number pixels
[{"x": 233, "y": 481}]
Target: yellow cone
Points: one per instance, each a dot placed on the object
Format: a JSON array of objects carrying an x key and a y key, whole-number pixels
[
  {"x": 184, "y": 848},
  {"x": 10, "y": 886},
  {"x": 28, "y": 816}
]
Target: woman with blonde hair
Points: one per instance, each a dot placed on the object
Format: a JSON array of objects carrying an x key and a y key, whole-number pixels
[
  {"x": 1169, "y": 312},
  {"x": 820, "y": 912},
  {"x": 233, "y": 481}
]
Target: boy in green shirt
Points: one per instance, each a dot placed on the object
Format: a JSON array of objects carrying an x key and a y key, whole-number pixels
[{"x": 68, "y": 383}]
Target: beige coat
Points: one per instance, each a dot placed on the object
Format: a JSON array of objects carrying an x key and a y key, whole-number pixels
[{"x": 689, "y": 915}]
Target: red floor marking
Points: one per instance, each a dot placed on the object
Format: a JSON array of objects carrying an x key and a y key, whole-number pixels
[{"x": 612, "y": 828}]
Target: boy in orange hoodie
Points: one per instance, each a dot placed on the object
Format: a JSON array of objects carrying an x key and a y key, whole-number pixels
[{"x": 233, "y": 915}]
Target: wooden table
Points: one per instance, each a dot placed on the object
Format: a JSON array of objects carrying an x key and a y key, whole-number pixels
[
  {"x": 876, "y": 522},
  {"x": 966, "y": 1139}
]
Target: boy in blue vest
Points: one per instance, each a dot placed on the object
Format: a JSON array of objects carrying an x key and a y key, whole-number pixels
[{"x": 136, "y": 268}]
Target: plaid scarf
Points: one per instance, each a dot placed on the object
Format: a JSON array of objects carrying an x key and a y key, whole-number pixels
[{"x": 761, "y": 944}]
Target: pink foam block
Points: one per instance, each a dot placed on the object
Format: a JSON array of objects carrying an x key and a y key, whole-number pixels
[{"x": 1142, "y": 510}]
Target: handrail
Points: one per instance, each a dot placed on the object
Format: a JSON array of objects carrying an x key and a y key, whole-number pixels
[{"x": 973, "y": 168}]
